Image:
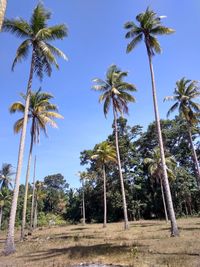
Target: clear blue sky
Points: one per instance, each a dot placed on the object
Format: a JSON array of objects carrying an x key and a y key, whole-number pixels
[{"x": 96, "y": 40}]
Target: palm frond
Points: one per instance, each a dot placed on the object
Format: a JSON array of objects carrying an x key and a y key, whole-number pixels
[
  {"x": 17, "y": 106},
  {"x": 39, "y": 18},
  {"x": 18, "y": 26},
  {"x": 134, "y": 43},
  {"x": 22, "y": 52}
]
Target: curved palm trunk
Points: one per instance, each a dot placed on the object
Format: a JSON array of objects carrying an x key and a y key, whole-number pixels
[
  {"x": 3, "y": 4},
  {"x": 9, "y": 245},
  {"x": 83, "y": 201},
  {"x": 33, "y": 197},
  {"x": 163, "y": 199},
  {"x": 1, "y": 215},
  {"x": 104, "y": 197},
  {"x": 27, "y": 183},
  {"x": 126, "y": 225},
  {"x": 174, "y": 228},
  {"x": 195, "y": 159}
]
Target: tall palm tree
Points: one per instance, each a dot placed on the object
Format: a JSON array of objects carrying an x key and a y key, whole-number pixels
[
  {"x": 149, "y": 27},
  {"x": 3, "y": 5},
  {"x": 104, "y": 154},
  {"x": 41, "y": 113},
  {"x": 115, "y": 92},
  {"x": 184, "y": 94},
  {"x": 36, "y": 35},
  {"x": 155, "y": 170},
  {"x": 6, "y": 174}
]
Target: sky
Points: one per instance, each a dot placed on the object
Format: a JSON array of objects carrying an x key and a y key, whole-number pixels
[{"x": 95, "y": 41}]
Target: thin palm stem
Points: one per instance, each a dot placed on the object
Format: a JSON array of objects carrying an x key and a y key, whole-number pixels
[
  {"x": 33, "y": 196},
  {"x": 105, "y": 200},
  {"x": 83, "y": 200},
  {"x": 163, "y": 199},
  {"x": 195, "y": 159},
  {"x": 9, "y": 245},
  {"x": 27, "y": 184},
  {"x": 126, "y": 225},
  {"x": 174, "y": 228}
]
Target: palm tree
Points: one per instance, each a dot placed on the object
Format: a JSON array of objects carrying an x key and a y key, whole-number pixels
[
  {"x": 33, "y": 197},
  {"x": 41, "y": 113},
  {"x": 150, "y": 26},
  {"x": 83, "y": 176},
  {"x": 3, "y": 5},
  {"x": 39, "y": 195},
  {"x": 37, "y": 36},
  {"x": 5, "y": 198},
  {"x": 155, "y": 170},
  {"x": 6, "y": 174},
  {"x": 184, "y": 94},
  {"x": 104, "y": 154},
  {"x": 115, "y": 92}
]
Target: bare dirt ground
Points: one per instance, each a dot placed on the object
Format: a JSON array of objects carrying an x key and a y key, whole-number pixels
[{"x": 145, "y": 244}]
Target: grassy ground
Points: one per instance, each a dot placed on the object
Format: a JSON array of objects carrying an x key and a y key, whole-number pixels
[{"x": 147, "y": 243}]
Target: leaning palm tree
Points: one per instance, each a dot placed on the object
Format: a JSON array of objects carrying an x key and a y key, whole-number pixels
[
  {"x": 3, "y": 5},
  {"x": 104, "y": 154},
  {"x": 6, "y": 174},
  {"x": 150, "y": 26},
  {"x": 155, "y": 170},
  {"x": 184, "y": 94},
  {"x": 115, "y": 92},
  {"x": 36, "y": 35},
  {"x": 41, "y": 113}
]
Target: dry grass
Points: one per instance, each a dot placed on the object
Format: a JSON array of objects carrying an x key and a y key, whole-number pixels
[{"x": 147, "y": 243}]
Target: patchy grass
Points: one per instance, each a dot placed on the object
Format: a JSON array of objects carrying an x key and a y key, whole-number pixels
[{"x": 146, "y": 243}]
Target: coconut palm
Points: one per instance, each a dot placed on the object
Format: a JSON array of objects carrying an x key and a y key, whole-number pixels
[
  {"x": 185, "y": 92},
  {"x": 5, "y": 199},
  {"x": 41, "y": 113},
  {"x": 155, "y": 170},
  {"x": 83, "y": 176},
  {"x": 33, "y": 197},
  {"x": 104, "y": 154},
  {"x": 149, "y": 27},
  {"x": 39, "y": 196},
  {"x": 115, "y": 92},
  {"x": 6, "y": 174},
  {"x": 3, "y": 5},
  {"x": 36, "y": 36}
]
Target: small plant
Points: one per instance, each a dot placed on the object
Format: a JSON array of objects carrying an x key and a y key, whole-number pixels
[{"x": 134, "y": 251}]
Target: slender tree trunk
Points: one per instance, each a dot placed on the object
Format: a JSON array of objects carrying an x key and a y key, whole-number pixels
[
  {"x": 174, "y": 227},
  {"x": 35, "y": 214},
  {"x": 83, "y": 200},
  {"x": 27, "y": 184},
  {"x": 126, "y": 224},
  {"x": 3, "y": 4},
  {"x": 163, "y": 199},
  {"x": 33, "y": 197},
  {"x": 104, "y": 197},
  {"x": 195, "y": 159},
  {"x": 1, "y": 214},
  {"x": 9, "y": 245}
]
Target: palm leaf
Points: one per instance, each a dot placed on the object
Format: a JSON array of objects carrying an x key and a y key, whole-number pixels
[{"x": 133, "y": 43}]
